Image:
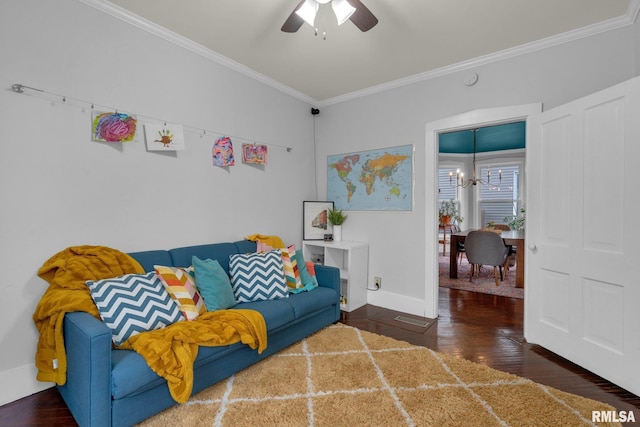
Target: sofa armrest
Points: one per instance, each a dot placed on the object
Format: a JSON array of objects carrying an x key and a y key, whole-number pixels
[
  {"x": 87, "y": 391},
  {"x": 328, "y": 277}
]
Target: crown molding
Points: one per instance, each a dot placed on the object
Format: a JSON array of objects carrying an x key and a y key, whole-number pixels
[
  {"x": 163, "y": 33},
  {"x": 612, "y": 24},
  {"x": 609, "y": 25}
]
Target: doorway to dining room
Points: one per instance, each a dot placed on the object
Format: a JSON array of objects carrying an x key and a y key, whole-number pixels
[
  {"x": 481, "y": 175},
  {"x": 463, "y": 122}
]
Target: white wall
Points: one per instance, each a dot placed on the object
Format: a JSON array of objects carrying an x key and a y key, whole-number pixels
[
  {"x": 60, "y": 189},
  {"x": 397, "y": 117}
]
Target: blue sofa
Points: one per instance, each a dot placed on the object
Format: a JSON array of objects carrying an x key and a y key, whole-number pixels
[{"x": 109, "y": 387}]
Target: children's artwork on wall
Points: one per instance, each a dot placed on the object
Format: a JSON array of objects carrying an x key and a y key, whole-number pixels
[
  {"x": 223, "y": 152},
  {"x": 113, "y": 126},
  {"x": 252, "y": 153},
  {"x": 166, "y": 137}
]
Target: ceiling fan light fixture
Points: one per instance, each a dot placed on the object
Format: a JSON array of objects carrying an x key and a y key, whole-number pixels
[
  {"x": 343, "y": 10},
  {"x": 308, "y": 11}
]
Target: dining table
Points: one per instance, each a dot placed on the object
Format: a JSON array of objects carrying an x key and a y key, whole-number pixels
[{"x": 510, "y": 237}]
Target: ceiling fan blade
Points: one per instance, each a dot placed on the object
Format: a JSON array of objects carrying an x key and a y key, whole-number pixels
[
  {"x": 362, "y": 17},
  {"x": 293, "y": 22}
]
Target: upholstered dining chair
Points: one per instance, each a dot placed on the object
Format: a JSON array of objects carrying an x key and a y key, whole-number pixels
[
  {"x": 485, "y": 248},
  {"x": 511, "y": 256}
]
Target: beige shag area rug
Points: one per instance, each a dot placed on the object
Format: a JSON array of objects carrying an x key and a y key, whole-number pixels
[{"x": 342, "y": 376}]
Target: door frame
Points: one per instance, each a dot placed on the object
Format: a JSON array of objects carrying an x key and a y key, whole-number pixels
[{"x": 471, "y": 119}]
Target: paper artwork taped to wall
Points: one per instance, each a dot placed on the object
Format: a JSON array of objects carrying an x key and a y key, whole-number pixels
[
  {"x": 167, "y": 137},
  {"x": 256, "y": 154},
  {"x": 113, "y": 126},
  {"x": 223, "y": 152}
]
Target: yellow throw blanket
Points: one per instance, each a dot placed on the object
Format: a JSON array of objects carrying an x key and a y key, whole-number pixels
[
  {"x": 273, "y": 241},
  {"x": 66, "y": 273},
  {"x": 170, "y": 352}
]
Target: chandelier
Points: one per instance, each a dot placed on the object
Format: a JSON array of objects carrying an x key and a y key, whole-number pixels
[{"x": 460, "y": 181}]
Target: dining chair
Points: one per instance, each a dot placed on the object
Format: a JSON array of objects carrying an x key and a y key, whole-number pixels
[
  {"x": 486, "y": 248},
  {"x": 442, "y": 240},
  {"x": 511, "y": 256},
  {"x": 444, "y": 228},
  {"x": 459, "y": 245},
  {"x": 504, "y": 227}
]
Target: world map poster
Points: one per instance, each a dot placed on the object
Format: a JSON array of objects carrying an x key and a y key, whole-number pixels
[{"x": 372, "y": 180}]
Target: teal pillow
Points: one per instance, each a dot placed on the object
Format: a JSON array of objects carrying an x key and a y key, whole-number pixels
[
  {"x": 305, "y": 276},
  {"x": 213, "y": 284}
]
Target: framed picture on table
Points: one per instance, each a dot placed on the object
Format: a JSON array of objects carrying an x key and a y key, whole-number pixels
[{"x": 315, "y": 220}]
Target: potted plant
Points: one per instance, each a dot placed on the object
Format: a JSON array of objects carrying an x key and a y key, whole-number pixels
[
  {"x": 336, "y": 218},
  {"x": 516, "y": 222},
  {"x": 449, "y": 212}
]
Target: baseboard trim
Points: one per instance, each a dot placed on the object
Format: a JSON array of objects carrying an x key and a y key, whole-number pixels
[
  {"x": 396, "y": 302},
  {"x": 20, "y": 382}
]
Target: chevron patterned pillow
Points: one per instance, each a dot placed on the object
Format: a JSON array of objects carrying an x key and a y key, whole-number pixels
[
  {"x": 133, "y": 303},
  {"x": 257, "y": 276},
  {"x": 290, "y": 267},
  {"x": 182, "y": 288}
]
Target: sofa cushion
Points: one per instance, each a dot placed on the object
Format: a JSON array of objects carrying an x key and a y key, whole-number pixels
[
  {"x": 148, "y": 259},
  {"x": 182, "y": 288},
  {"x": 305, "y": 303},
  {"x": 276, "y": 313},
  {"x": 214, "y": 284},
  {"x": 257, "y": 276},
  {"x": 181, "y": 257},
  {"x": 245, "y": 246},
  {"x": 132, "y": 375},
  {"x": 133, "y": 303}
]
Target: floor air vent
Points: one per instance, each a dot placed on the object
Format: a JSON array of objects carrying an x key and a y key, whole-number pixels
[{"x": 415, "y": 322}]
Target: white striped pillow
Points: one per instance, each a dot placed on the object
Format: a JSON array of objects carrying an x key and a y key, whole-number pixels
[
  {"x": 133, "y": 303},
  {"x": 257, "y": 276}
]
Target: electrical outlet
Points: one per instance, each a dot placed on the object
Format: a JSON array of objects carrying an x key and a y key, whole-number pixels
[{"x": 378, "y": 282}]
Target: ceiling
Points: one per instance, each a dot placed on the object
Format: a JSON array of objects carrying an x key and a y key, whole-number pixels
[{"x": 414, "y": 39}]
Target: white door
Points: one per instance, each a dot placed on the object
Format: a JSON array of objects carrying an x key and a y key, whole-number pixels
[{"x": 582, "y": 294}]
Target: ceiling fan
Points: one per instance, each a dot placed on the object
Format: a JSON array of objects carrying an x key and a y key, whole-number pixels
[{"x": 353, "y": 10}]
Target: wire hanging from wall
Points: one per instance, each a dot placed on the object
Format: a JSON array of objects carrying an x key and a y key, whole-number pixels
[{"x": 54, "y": 97}]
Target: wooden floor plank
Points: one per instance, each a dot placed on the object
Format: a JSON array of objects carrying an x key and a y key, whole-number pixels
[{"x": 483, "y": 328}]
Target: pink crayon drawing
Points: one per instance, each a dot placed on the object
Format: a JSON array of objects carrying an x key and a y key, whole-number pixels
[
  {"x": 252, "y": 153},
  {"x": 113, "y": 127},
  {"x": 223, "y": 152}
]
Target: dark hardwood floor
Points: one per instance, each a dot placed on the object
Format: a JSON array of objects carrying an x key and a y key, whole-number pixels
[{"x": 483, "y": 328}]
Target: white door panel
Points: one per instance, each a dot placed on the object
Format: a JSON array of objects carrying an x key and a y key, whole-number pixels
[{"x": 582, "y": 296}]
